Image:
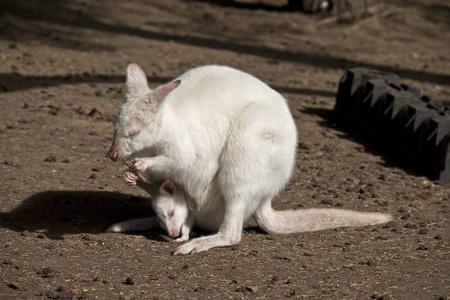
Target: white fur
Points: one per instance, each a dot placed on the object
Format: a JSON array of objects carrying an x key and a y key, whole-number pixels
[
  {"x": 170, "y": 206},
  {"x": 226, "y": 138}
]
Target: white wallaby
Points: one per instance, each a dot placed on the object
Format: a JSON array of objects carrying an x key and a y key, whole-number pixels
[{"x": 229, "y": 141}]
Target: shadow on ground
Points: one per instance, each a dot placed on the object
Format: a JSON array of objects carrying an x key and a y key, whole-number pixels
[{"x": 56, "y": 213}]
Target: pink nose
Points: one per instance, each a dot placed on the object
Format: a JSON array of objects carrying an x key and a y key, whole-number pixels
[
  {"x": 113, "y": 155},
  {"x": 174, "y": 233}
]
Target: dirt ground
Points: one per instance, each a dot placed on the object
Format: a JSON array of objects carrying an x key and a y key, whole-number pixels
[{"x": 62, "y": 75}]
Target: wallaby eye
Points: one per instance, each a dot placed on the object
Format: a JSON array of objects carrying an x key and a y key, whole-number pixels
[
  {"x": 172, "y": 213},
  {"x": 133, "y": 134}
]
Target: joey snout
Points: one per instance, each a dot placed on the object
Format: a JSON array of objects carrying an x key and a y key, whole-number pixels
[{"x": 173, "y": 232}]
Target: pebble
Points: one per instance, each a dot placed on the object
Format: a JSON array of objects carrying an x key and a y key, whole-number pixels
[
  {"x": 252, "y": 288},
  {"x": 412, "y": 226},
  {"x": 50, "y": 158},
  {"x": 52, "y": 294},
  {"x": 13, "y": 285},
  {"x": 423, "y": 231},
  {"x": 129, "y": 281},
  {"x": 47, "y": 272},
  {"x": 405, "y": 217},
  {"x": 327, "y": 202},
  {"x": 61, "y": 288}
]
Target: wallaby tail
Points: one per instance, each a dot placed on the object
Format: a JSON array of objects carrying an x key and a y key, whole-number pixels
[{"x": 291, "y": 221}]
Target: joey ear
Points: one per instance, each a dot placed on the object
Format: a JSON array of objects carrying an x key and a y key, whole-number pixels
[
  {"x": 168, "y": 188},
  {"x": 136, "y": 80},
  {"x": 191, "y": 203},
  {"x": 160, "y": 93}
]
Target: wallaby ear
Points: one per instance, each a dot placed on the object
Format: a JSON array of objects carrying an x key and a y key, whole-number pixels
[
  {"x": 168, "y": 188},
  {"x": 191, "y": 203},
  {"x": 136, "y": 80},
  {"x": 161, "y": 92}
]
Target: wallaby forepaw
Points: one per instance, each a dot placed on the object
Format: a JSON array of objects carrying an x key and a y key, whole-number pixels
[
  {"x": 138, "y": 165},
  {"x": 130, "y": 178}
]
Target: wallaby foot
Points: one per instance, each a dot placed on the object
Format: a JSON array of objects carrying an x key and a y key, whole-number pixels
[{"x": 206, "y": 243}]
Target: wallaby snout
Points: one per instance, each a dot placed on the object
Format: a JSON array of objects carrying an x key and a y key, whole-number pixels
[{"x": 115, "y": 153}]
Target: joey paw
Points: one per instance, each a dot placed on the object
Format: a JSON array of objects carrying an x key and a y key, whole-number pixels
[{"x": 181, "y": 239}]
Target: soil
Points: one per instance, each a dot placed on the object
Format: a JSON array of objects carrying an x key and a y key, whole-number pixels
[{"x": 62, "y": 76}]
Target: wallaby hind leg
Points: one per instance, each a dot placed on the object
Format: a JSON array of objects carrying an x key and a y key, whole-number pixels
[{"x": 229, "y": 233}]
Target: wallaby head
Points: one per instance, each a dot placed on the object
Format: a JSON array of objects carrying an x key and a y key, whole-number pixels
[
  {"x": 171, "y": 208},
  {"x": 137, "y": 124}
]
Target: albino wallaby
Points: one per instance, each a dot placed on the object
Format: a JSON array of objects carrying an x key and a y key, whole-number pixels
[
  {"x": 229, "y": 141},
  {"x": 170, "y": 206}
]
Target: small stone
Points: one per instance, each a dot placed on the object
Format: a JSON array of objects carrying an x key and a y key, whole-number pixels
[
  {"x": 412, "y": 226},
  {"x": 438, "y": 237},
  {"x": 129, "y": 281},
  {"x": 382, "y": 177},
  {"x": 47, "y": 273},
  {"x": 275, "y": 278},
  {"x": 7, "y": 262},
  {"x": 423, "y": 231},
  {"x": 61, "y": 288},
  {"x": 52, "y": 295},
  {"x": 93, "y": 176},
  {"x": 290, "y": 281},
  {"x": 84, "y": 295},
  {"x": 25, "y": 233},
  {"x": 50, "y": 158},
  {"x": 240, "y": 290},
  {"x": 68, "y": 295},
  {"x": 252, "y": 288},
  {"x": 327, "y": 202},
  {"x": 13, "y": 286},
  {"x": 385, "y": 297}
]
